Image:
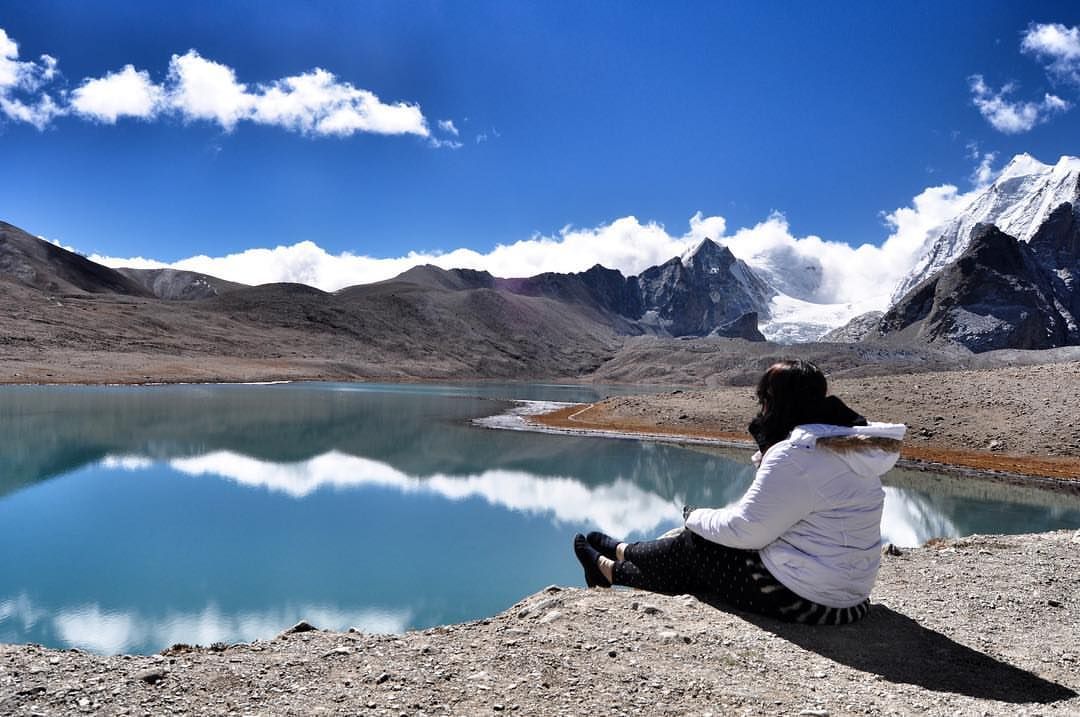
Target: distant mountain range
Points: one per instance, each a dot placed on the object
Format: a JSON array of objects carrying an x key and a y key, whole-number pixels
[
  {"x": 1002, "y": 274},
  {"x": 706, "y": 292}
]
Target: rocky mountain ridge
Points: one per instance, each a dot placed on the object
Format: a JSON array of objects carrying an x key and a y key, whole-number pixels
[{"x": 707, "y": 292}]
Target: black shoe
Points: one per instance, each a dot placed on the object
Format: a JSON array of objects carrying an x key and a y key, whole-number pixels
[
  {"x": 587, "y": 556},
  {"x": 604, "y": 543}
]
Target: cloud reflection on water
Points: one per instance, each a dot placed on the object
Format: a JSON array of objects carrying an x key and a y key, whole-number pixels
[
  {"x": 620, "y": 508},
  {"x": 97, "y": 629}
]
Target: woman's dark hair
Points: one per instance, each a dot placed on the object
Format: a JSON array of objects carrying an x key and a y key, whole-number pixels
[{"x": 792, "y": 393}]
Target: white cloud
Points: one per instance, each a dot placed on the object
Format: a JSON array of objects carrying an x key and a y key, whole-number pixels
[
  {"x": 1008, "y": 116},
  {"x": 1056, "y": 45},
  {"x": 448, "y": 127},
  {"x": 445, "y": 143},
  {"x": 39, "y": 113},
  {"x": 26, "y": 78},
  {"x": 809, "y": 268},
  {"x": 23, "y": 75},
  {"x": 126, "y": 93},
  {"x": 984, "y": 172},
  {"x": 199, "y": 89}
]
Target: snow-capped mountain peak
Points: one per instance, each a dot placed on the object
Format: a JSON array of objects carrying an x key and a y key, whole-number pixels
[
  {"x": 1022, "y": 165},
  {"x": 1018, "y": 202}
]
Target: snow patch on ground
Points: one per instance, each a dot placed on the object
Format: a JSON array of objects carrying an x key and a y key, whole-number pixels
[{"x": 517, "y": 418}]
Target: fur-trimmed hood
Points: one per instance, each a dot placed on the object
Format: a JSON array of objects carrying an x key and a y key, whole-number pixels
[{"x": 868, "y": 450}]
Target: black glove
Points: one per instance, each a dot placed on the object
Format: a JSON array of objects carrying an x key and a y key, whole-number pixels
[{"x": 687, "y": 510}]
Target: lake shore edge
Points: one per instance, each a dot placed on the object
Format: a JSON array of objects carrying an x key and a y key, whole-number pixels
[
  {"x": 593, "y": 419},
  {"x": 976, "y": 625}
]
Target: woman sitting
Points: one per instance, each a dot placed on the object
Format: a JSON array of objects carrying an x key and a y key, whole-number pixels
[{"x": 803, "y": 543}]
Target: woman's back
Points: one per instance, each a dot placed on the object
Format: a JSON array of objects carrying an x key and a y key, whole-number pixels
[{"x": 830, "y": 554}]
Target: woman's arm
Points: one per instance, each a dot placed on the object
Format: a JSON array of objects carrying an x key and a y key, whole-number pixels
[{"x": 777, "y": 499}]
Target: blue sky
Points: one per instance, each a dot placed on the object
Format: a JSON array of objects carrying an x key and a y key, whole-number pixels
[{"x": 566, "y": 114}]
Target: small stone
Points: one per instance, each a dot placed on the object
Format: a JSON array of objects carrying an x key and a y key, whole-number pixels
[
  {"x": 650, "y": 609},
  {"x": 553, "y": 589},
  {"x": 543, "y": 605},
  {"x": 302, "y": 626},
  {"x": 151, "y": 676},
  {"x": 890, "y": 549},
  {"x": 382, "y": 678},
  {"x": 1053, "y": 603},
  {"x": 550, "y": 617},
  {"x": 815, "y": 713},
  {"x": 498, "y": 708},
  {"x": 612, "y": 653},
  {"x": 84, "y": 702},
  {"x": 338, "y": 651},
  {"x": 996, "y": 445},
  {"x": 668, "y": 636}
]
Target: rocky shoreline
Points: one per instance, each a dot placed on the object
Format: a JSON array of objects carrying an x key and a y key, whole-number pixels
[{"x": 975, "y": 626}]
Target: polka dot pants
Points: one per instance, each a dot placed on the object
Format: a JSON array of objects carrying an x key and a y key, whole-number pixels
[{"x": 689, "y": 563}]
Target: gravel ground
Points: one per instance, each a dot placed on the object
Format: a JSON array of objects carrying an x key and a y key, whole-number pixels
[{"x": 985, "y": 625}]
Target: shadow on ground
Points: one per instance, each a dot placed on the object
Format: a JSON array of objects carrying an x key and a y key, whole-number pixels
[{"x": 899, "y": 649}]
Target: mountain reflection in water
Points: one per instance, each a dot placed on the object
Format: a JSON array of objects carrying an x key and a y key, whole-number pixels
[{"x": 138, "y": 517}]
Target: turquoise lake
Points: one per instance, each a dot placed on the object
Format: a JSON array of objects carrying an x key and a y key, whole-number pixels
[{"x": 132, "y": 518}]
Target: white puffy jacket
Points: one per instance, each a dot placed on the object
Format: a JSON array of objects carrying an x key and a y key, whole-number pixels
[{"x": 814, "y": 510}]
